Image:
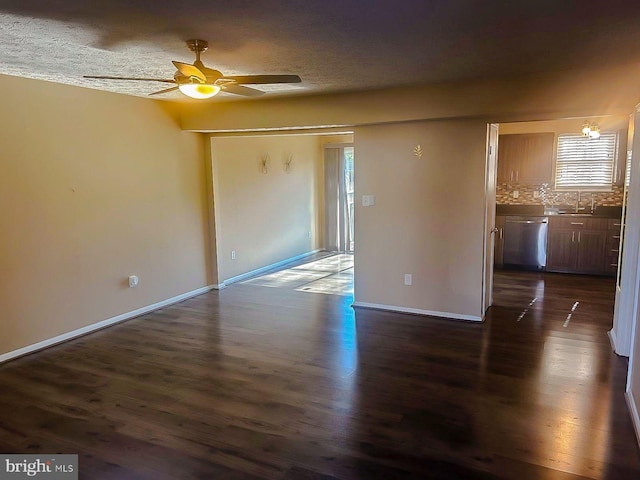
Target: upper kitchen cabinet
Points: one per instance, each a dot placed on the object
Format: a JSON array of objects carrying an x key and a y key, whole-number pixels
[
  {"x": 621, "y": 166},
  {"x": 526, "y": 158}
]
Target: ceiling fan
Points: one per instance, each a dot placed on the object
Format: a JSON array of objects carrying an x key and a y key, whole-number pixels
[{"x": 198, "y": 81}]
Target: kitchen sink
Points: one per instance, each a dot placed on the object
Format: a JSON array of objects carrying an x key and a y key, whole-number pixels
[{"x": 570, "y": 210}]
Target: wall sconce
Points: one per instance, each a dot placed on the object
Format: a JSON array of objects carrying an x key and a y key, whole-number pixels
[
  {"x": 264, "y": 164},
  {"x": 591, "y": 130},
  {"x": 417, "y": 151},
  {"x": 286, "y": 163}
]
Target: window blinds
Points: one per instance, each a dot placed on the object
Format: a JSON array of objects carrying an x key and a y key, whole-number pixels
[{"x": 585, "y": 163}]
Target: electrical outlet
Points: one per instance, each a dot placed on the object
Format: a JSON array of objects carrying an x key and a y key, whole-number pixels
[
  {"x": 233, "y": 254},
  {"x": 408, "y": 279},
  {"x": 516, "y": 194},
  {"x": 536, "y": 194},
  {"x": 133, "y": 281},
  {"x": 309, "y": 234}
]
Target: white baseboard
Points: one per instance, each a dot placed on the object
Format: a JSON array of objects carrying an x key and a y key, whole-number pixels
[
  {"x": 102, "y": 324},
  {"x": 612, "y": 339},
  {"x": 635, "y": 415},
  {"x": 261, "y": 270},
  {"x": 417, "y": 311}
]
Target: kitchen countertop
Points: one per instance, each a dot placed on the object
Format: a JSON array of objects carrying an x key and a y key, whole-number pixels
[{"x": 539, "y": 211}]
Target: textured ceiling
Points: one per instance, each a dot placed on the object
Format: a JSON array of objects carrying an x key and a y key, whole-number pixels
[{"x": 334, "y": 45}]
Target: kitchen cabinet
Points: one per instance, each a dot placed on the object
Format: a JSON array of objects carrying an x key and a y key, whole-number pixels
[
  {"x": 591, "y": 246},
  {"x": 577, "y": 245},
  {"x": 526, "y": 158},
  {"x": 621, "y": 163},
  {"x": 561, "y": 251},
  {"x": 498, "y": 243}
]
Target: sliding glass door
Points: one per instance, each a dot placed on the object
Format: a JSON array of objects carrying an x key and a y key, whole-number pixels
[{"x": 339, "y": 197}]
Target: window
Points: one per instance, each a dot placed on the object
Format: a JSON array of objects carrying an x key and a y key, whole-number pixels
[{"x": 585, "y": 163}]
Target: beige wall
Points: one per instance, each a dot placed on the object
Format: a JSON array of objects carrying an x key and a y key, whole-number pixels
[
  {"x": 427, "y": 219},
  {"x": 94, "y": 187},
  {"x": 329, "y": 139},
  {"x": 265, "y": 218}
]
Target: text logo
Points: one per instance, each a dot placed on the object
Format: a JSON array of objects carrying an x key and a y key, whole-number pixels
[{"x": 44, "y": 466}]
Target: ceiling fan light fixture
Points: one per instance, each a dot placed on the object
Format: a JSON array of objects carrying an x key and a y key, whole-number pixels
[
  {"x": 199, "y": 90},
  {"x": 591, "y": 130}
]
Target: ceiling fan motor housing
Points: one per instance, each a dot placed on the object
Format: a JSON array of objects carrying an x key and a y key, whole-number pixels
[{"x": 198, "y": 46}]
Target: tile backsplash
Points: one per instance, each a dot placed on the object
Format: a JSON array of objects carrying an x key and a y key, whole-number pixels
[{"x": 545, "y": 195}]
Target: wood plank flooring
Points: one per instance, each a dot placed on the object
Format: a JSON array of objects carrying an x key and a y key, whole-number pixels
[{"x": 264, "y": 383}]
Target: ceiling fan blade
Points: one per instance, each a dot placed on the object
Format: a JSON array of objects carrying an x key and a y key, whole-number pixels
[
  {"x": 166, "y": 90},
  {"x": 263, "y": 79},
  {"x": 190, "y": 71},
  {"x": 240, "y": 90},
  {"x": 130, "y": 78}
]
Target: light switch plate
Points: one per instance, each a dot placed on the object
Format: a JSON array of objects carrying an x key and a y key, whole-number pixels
[{"x": 368, "y": 200}]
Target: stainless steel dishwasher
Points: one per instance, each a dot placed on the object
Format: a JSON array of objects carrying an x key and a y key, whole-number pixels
[{"x": 525, "y": 242}]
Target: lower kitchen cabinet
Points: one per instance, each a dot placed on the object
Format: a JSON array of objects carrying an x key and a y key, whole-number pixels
[
  {"x": 562, "y": 253},
  {"x": 577, "y": 245},
  {"x": 591, "y": 251}
]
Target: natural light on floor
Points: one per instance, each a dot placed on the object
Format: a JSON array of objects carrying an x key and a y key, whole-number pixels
[{"x": 330, "y": 275}]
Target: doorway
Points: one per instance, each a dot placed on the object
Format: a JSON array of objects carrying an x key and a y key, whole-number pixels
[
  {"x": 551, "y": 172},
  {"x": 339, "y": 197},
  {"x": 490, "y": 215},
  {"x": 329, "y": 271}
]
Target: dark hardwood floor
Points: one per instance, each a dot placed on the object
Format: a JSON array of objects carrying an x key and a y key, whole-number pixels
[{"x": 256, "y": 382}]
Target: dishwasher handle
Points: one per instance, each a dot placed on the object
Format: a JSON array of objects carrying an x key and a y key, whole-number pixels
[{"x": 527, "y": 221}]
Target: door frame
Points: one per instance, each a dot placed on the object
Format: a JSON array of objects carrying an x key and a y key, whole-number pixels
[
  {"x": 626, "y": 310},
  {"x": 491, "y": 172}
]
